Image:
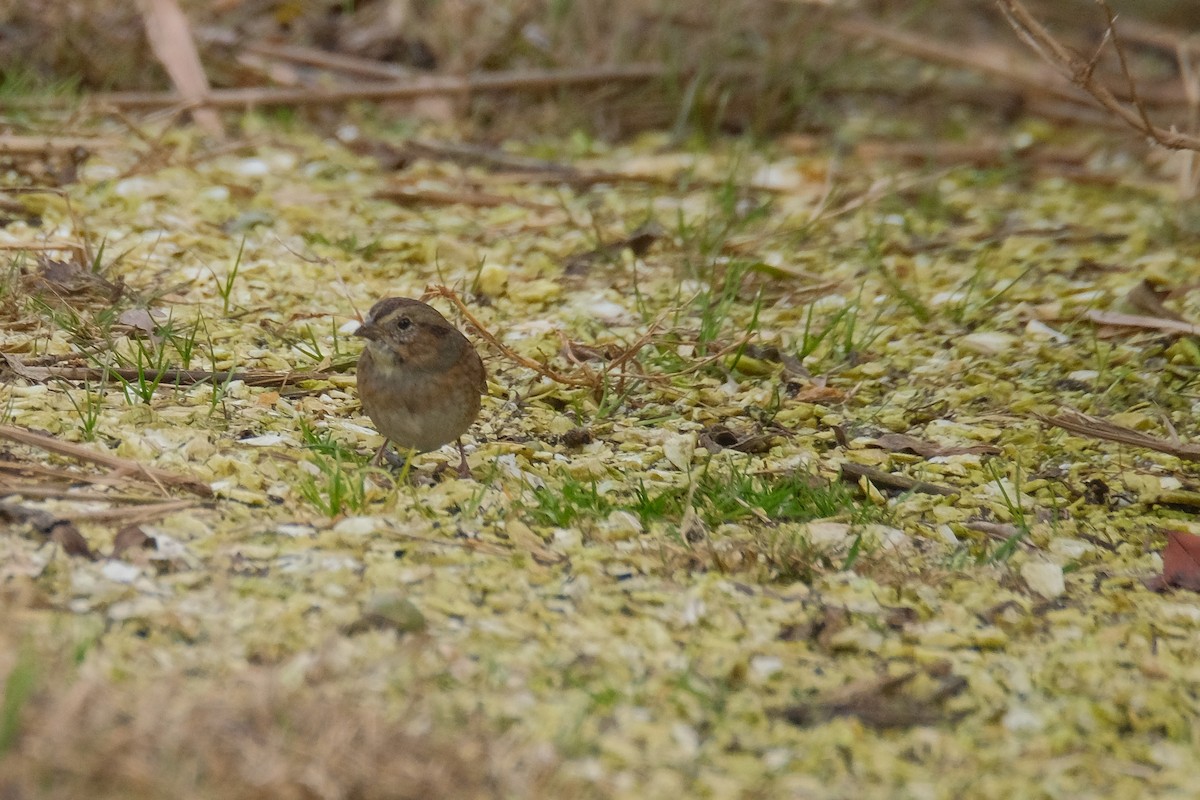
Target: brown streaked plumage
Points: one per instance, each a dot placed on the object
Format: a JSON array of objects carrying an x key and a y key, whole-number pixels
[{"x": 420, "y": 380}]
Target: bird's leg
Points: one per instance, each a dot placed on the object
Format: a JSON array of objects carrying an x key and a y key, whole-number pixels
[
  {"x": 394, "y": 459},
  {"x": 408, "y": 459},
  {"x": 464, "y": 469}
]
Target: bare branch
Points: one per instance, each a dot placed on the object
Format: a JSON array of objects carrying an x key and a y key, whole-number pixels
[{"x": 1079, "y": 72}]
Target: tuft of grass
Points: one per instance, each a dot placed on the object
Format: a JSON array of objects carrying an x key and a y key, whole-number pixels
[
  {"x": 337, "y": 488},
  {"x": 149, "y": 363},
  {"x": 340, "y": 485},
  {"x": 10, "y": 286},
  {"x": 787, "y": 555},
  {"x": 309, "y": 346},
  {"x": 19, "y": 81},
  {"x": 1004, "y": 551},
  {"x": 309, "y": 342},
  {"x": 649, "y": 506},
  {"x": 572, "y": 501},
  {"x": 967, "y": 310},
  {"x": 86, "y": 331},
  {"x": 182, "y": 338},
  {"x": 321, "y": 442},
  {"x": 842, "y": 338},
  {"x": 733, "y": 494},
  {"x": 720, "y": 493},
  {"x": 88, "y": 409},
  {"x": 218, "y": 390},
  {"x": 225, "y": 285}
]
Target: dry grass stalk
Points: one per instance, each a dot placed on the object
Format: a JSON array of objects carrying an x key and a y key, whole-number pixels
[
  {"x": 308, "y": 56},
  {"x": 587, "y": 377},
  {"x": 1086, "y": 425},
  {"x": 20, "y": 145},
  {"x": 511, "y": 81},
  {"x": 166, "y": 378},
  {"x": 122, "y": 466}
]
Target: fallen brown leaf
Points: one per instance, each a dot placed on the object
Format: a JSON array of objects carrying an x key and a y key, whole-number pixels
[
  {"x": 132, "y": 537},
  {"x": 899, "y": 442},
  {"x": 1181, "y": 563},
  {"x": 883, "y": 703},
  {"x": 719, "y": 437}
]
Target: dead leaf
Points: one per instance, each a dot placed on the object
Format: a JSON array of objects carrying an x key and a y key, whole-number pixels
[
  {"x": 719, "y": 437},
  {"x": 578, "y": 352},
  {"x": 639, "y": 242},
  {"x": 853, "y": 473},
  {"x": 576, "y": 438},
  {"x": 68, "y": 537},
  {"x": 884, "y": 703},
  {"x": 132, "y": 537},
  {"x": 1147, "y": 296},
  {"x": 899, "y": 442},
  {"x": 900, "y": 617},
  {"x": 69, "y": 279},
  {"x": 138, "y": 319},
  {"x": 792, "y": 367},
  {"x": 1181, "y": 563},
  {"x": 58, "y": 530}
]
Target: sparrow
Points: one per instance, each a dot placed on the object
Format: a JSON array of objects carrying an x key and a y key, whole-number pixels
[{"x": 419, "y": 379}]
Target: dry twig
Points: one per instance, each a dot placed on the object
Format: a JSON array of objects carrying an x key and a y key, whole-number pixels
[
  {"x": 1085, "y": 425},
  {"x": 1081, "y": 72},
  {"x": 1144, "y": 322},
  {"x": 990, "y": 63},
  {"x": 170, "y": 38},
  {"x": 853, "y": 473},
  {"x": 122, "y": 466},
  {"x": 541, "y": 369},
  {"x": 412, "y": 195},
  {"x": 166, "y": 378}
]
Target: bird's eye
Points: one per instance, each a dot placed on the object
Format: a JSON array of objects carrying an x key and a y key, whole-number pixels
[{"x": 404, "y": 323}]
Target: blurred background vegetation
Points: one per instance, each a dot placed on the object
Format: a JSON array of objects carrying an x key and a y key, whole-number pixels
[{"x": 748, "y": 66}]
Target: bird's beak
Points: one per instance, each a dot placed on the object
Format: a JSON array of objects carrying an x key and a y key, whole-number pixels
[{"x": 368, "y": 330}]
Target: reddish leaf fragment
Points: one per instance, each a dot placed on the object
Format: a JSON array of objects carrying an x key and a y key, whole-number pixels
[
  {"x": 820, "y": 394},
  {"x": 1181, "y": 562}
]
